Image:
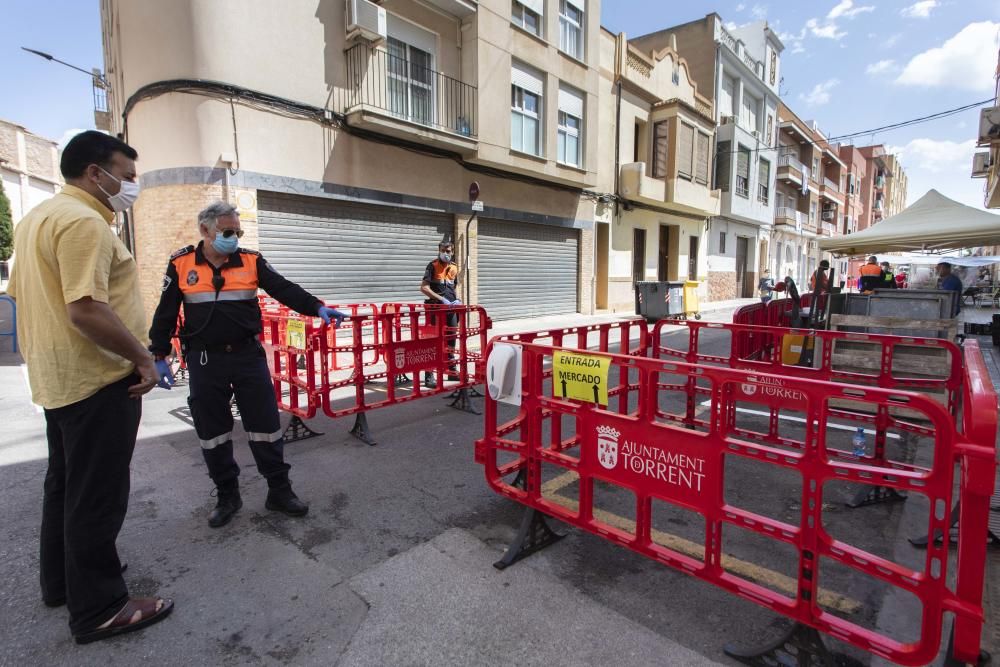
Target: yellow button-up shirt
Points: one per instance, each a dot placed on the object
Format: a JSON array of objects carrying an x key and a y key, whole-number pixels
[{"x": 66, "y": 250}]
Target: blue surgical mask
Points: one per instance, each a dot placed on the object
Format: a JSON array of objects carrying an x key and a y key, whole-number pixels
[
  {"x": 224, "y": 245},
  {"x": 444, "y": 257}
]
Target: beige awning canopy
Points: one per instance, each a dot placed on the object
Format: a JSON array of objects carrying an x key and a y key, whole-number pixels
[{"x": 933, "y": 222}]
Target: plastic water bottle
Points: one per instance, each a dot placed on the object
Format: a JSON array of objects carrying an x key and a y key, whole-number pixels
[{"x": 858, "y": 441}]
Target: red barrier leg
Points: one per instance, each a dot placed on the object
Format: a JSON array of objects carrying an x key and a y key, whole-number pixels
[
  {"x": 360, "y": 430},
  {"x": 297, "y": 430},
  {"x": 801, "y": 646},
  {"x": 533, "y": 535}
]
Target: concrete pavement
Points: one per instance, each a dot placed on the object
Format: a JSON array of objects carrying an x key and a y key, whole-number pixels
[{"x": 392, "y": 566}]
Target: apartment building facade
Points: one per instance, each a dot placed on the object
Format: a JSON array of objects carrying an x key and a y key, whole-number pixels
[
  {"x": 739, "y": 71},
  {"x": 655, "y": 151},
  {"x": 856, "y": 173},
  {"x": 809, "y": 196},
  {"x": 29, "y": 168},
  {"x": 986, "y": 163},
  {"x": 29, "y": 171},
  {"x": 348, "y": 134}
]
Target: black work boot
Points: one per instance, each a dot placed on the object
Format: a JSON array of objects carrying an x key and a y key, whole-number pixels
[
  {"x": 284, "y": 500},
  {"x": 430, "y": 381},
  {"x": 229, "y": 502}
]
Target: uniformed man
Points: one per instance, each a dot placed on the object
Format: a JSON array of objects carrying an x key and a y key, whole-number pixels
[
  {"x": 439, "y": 285},
  {"x": 871, "y": 276},
  {"x": 888, "y": 277},
  {"x": 217, "y": 282}
]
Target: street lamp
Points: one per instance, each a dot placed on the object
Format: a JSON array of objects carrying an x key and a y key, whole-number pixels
[
  {"x": 95, "y": 73},
  {"x": 102, "y": 119}
]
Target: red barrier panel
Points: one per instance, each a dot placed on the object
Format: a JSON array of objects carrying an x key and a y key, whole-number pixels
[
  {"x": 760, "y": 349},
  {"x": 638, "y": 448},
  {"x": 414, "y": 339},
  {"x": 374, "y": 349}
]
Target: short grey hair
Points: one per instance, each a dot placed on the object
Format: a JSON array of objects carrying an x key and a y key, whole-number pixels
[{"x": 210, "y": 215}]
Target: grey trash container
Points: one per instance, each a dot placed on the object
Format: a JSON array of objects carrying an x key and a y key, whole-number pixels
[{"x": 659, "y": 299}]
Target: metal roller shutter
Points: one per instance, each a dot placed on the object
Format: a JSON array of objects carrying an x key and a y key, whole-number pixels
[
  {"x": 350, "y": 253},
  {"x": 527, "y": 270}
]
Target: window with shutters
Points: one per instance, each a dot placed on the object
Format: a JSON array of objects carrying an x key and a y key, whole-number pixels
[
  {"x": 763, "y": 181},
  {"x": 527, "y": 15},
  {"x": 748, "y": 112},
  {"x": 701, "y": 159},
  {"x": 661, "y": 139},
  {"x": 685, "y": 151},
  {"x": 525, "y": 110},
  {"x": 571, "y": 28},
  {"x": 723, "y": 162},
  {"x": 410, "y": 81},
  {"x": 722, "y": 243},
  {"x": 569, "y": 139},
  {"x": 743, "y": 172}
]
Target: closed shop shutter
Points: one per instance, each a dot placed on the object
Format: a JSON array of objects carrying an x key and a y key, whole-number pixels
[
  {"x": 345, "y": 252},
  {"x": 527, "y": 270}
]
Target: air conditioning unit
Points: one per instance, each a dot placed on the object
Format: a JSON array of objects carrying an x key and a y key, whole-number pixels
[
  {"x": 989, "y": 125},
  {"x": 829, "y": 216},
  {"x": 727, "y": 120},
  {"x": 980, "y": 165},
  {"x": 366, "y": 20}
]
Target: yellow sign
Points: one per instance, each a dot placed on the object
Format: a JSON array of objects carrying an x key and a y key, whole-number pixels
[
  {"x": 580, "y": 376},
  {"x": 295, "y": 334}
]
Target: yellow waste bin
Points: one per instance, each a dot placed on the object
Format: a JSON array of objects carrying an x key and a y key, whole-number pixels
[{"x": 691, "y": 306}]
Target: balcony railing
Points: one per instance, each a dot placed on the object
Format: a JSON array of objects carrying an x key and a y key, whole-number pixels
[
  {"x": 790, "y": 161},
  {"x": 403, "y": 89},
  {"x": 762, "y": 193},
  {"x": 743, "y": 186},
  {"x": 831, "y": 185},
  {"x": 786, "y": 215}
]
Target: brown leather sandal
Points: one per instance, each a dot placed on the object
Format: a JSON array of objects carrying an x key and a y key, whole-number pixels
[{"x": 135, "y": 615}]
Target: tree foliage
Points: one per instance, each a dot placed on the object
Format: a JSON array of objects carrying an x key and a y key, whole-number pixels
[{"x": 6, "y": 227}]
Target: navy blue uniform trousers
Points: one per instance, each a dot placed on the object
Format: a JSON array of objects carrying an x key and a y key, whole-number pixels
[{"x": 215, "y": 378}]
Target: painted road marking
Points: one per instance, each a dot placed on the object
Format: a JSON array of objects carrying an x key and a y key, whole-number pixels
[{"x": 751, "y": 571}]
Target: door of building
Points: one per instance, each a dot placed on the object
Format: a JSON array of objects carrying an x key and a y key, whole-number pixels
[
  {"x": 693, "y": 243},
  {"x": 663, "y": 257},
  {"x": 742, "y": 250}
]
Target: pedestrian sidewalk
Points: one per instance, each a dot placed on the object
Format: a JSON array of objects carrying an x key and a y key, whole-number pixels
[{"x": 718, "y": 311}]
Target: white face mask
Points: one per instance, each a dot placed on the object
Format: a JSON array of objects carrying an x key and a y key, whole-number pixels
[{"x": 127, "y": 194}]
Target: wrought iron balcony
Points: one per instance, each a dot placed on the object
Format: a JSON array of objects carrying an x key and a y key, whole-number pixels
[{"x": 403, "y": 89}]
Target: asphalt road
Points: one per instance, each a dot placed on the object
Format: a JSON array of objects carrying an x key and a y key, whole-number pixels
[{"x": 372, "y": 506}]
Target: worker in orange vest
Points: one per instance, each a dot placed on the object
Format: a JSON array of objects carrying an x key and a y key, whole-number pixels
[{"x": 872, "y": 276}]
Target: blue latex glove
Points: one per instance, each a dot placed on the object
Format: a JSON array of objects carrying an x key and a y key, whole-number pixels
[
  {"x": 166, "y": 375},
  {"x": 328, "y": 314},
  {"x": 456, "y": 302}
]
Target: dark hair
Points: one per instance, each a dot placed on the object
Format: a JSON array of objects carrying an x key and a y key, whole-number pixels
[
  {"x": 91, "y": 147},
  {"x": 824, "y": 264},
  {"x": 946, "y": 265}
]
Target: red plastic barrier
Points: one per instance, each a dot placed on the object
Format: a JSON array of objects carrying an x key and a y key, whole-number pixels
[
  {"x": 638, "y": 447},
  {"x": 978, "y": 475},
  {"x": 414, "y": 339},
  {"x": 759, "y": 349}
]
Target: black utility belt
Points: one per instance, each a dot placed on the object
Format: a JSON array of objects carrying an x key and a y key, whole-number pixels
[{"x": 238, "y": 346}]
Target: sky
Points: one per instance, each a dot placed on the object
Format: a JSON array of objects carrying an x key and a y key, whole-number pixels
[{"x": 850, "y": 65}]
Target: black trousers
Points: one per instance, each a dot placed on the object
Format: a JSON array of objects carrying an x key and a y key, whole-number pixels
[
  {"x": 86, "y": 497},
  {"x": 215, "y": 377}
]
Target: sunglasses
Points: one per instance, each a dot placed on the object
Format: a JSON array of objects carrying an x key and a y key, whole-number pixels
[{"x": 228, "y": 233}]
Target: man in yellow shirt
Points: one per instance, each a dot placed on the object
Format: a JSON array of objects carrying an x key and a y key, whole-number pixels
[{"x": 82, "y": 329}]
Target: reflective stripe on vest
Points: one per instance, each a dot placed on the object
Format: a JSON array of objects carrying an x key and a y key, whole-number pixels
[{"x": 224, "y": 295}]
